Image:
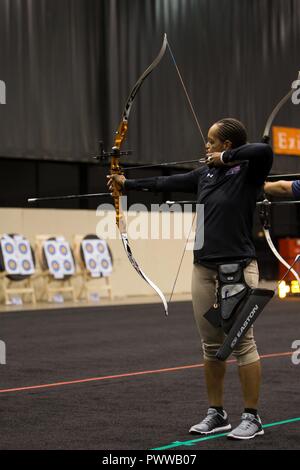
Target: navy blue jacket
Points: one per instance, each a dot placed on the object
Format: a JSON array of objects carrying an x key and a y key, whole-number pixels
[{"x": 229, "y": 195}]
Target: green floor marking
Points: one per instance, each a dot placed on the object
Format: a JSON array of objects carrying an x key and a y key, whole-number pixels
[{"x": 215, "y": 436}]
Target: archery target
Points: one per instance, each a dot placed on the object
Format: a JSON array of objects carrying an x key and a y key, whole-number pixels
[
  {"x": 67, "y": 266},
  {"x": 9, "y": 255},
  {"x": 51, "y": 249},
  {"x": 17, "y": 255},
  {"x": 59, "y": 258},
  {"x": 9, "y": 247},
  {"x": 12, "y": 266},
  {"x": 63, "y": 250},
  {"x": 97, "y": 258}
]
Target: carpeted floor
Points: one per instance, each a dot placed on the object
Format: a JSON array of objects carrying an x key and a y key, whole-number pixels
[{"x": 118, "y": 409}]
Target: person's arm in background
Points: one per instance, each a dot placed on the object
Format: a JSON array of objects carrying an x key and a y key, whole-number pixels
[
  {"x": 283, "y": 188},
  {"x": 279, "y": 188}
]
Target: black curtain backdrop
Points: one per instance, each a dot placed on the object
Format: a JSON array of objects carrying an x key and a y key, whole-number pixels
[{"x": 70, "y": 64}]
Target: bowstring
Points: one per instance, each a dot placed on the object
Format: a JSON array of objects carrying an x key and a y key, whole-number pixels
[
  {"x": 187, "y": 95},
  {"x": 204, "y": 141},
  {"x": 182, "y": 256}
]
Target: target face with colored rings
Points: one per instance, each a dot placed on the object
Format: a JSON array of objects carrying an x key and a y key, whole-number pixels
[
  {"x": 9, "y": 248},
  {"x": 101, "y": 247},
  {"x": 89, "y": 248},
  {"x": 12, "y": 264},
  {"x": 23, "y": 248},
  {"x": 26, "y": 265},
  {"x": 104, "y": 263},
  {"x": 92, "y": 264},
  {"x": 51, "y": 249},
  {"x": 67, "y": 265},
  {"x": 55, "y": 265},
  {"x": 63, "y": 250}
]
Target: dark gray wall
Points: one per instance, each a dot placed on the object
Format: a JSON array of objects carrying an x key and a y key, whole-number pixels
[{"x": 69, "y": 66}]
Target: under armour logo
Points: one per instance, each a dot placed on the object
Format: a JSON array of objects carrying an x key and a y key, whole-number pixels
[{"x": 210, "y": 175}]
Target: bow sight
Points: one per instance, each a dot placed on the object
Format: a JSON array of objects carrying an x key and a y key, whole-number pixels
[{"x": 104, "y": 156}]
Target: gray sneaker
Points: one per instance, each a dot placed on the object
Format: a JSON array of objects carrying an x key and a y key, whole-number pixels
[
  {"x": 249, "y": 427},
  {"x": 214, "y": 422}
]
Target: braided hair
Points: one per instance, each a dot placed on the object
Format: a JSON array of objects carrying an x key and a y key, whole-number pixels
[{"x": 233, "y": 130}]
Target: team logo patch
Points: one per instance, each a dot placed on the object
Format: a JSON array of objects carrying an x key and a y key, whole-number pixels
[{"x": 234, "y": 170}]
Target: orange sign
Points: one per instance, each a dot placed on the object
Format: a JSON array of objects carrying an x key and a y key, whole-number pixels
[{"x": 286, "y": 141}]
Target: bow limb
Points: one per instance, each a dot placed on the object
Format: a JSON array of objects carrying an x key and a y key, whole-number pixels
[
  {"x": 266, "y": 222},
  {"x": 278, "y": 255},
  {"x": 121, "y": 223},
  {"x": 266, "y": 134},
  {"x": 115, "y": 169}
]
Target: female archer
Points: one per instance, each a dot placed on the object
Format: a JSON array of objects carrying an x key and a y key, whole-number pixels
[{"x": 228, "y": 187}]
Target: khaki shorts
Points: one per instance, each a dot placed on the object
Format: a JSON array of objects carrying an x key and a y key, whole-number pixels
[{"x": 204, "y": 296}]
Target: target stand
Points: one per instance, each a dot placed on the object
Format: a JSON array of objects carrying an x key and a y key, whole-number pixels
[
  {"x": 94, "y": 260},
  {"x": 10, "y": 288},
  {"x": 17, "y": 268},
  {"x": 57, "y": 266}
]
